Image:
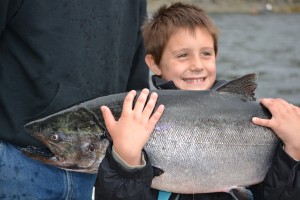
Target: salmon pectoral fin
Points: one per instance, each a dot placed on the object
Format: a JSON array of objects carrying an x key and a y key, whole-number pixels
[
  {"x": 157, "y": 171},
  {"x": 241, "y": 193}
]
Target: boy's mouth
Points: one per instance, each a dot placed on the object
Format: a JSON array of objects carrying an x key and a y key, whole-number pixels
[{"x": 194, "y": 80}]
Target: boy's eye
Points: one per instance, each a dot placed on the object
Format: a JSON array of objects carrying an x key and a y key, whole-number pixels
[
  {"x": 206, "y": 53},
  {"x": 182, "y": 55}
]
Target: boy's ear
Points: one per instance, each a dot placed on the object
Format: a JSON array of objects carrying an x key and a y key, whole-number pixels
[{"x": 149, "y": 59}]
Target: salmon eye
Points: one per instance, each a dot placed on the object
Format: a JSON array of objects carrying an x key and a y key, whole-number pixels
[
  {"x": 91, "y": 147},
  {"x": 54, "y": 137}
]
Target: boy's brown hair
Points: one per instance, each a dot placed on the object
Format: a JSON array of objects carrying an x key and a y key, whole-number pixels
[{"x": 167, "y": 20}]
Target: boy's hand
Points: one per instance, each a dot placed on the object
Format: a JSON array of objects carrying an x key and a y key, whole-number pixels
[
  {"x": 285, "y": 122},
  {"x": 131, "y": 132}
]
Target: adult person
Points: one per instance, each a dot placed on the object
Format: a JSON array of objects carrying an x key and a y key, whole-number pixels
[{"x": 54, "y": 54}]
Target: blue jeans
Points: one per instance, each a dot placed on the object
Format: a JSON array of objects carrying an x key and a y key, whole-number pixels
[{"x": 24, "y": 178}]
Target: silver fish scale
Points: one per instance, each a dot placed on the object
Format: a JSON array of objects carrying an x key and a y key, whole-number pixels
[
  {"x": 208, "y": 159},
  {"x": 210, "y": 149}
]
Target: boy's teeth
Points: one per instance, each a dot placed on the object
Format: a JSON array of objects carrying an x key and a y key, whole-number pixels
[{"x": 194, "y": 80}]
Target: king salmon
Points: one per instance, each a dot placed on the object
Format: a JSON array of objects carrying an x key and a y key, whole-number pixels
[{"x": 204, "y": 142}]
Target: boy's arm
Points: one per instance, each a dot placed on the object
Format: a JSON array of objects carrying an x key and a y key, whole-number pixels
[
  {"x": 129, "y": 135},
  {"x": 283, "y": 179},
  {"x": 120, "y": 160},
  {"x": 115, "y": 181}
]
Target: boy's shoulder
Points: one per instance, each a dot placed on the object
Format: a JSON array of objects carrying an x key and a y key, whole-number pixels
[
  {"x": 218, "y": 84},
  {"x": 159, "y": 83}
]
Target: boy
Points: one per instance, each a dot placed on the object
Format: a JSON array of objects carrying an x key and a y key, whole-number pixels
[{"x": 181, "y": 45}]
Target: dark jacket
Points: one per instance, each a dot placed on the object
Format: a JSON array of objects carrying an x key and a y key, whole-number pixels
[
  {"x": 115, "y": 182},
  {"x": 55, "y": 53}
]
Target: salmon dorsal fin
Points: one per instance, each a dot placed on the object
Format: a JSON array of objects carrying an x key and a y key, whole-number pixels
[{"x": 244, "y": 86}]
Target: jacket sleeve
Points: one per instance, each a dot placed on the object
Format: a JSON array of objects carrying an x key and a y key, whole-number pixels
[
  {"x": 114, "y": 182},
  {"x": 283, "y": 179},
  {"x": 8, "y": 9},
  {"x": 3, "y": 15},
  {"x": 139, "y": 72}
]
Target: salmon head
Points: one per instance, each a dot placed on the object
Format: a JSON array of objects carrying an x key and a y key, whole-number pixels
[{"x": 75, "y": 138}]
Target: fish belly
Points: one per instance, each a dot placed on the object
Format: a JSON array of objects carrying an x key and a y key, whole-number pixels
[{"x": 209, "y": 148}]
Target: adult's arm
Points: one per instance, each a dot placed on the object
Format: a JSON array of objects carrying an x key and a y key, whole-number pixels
[
  {"x": 3, "y": 15},
  {"x": 139, "y": 73},
  {"x": 8, "y": 9}
]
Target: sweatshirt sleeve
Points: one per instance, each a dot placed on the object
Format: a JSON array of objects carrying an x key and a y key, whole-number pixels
[
  {"x": 139, "y": 73},
  {"x": 3, "y": 15},
  {"x": 283, "y": 179},
  {"x": 117, "y": 182},
  {"x": 8, "y": 9}
]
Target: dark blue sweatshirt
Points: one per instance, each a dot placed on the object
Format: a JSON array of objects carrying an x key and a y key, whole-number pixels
[{"x": 56, "y": 53}]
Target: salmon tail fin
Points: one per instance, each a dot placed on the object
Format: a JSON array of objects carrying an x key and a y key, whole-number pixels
[
  {"x": 244, "y": 86},
  {"x": 241, "y": 193}
]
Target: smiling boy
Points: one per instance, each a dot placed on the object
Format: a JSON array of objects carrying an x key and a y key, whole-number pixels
[
  {"x": 181, "y": 45},
  {"x": 188, "y": 59}
]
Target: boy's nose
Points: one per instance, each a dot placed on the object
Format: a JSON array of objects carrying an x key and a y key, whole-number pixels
[{"x": 197, "y": 65}]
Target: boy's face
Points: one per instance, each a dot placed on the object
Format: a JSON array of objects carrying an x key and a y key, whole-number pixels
[{"x": 189, "y": 60}]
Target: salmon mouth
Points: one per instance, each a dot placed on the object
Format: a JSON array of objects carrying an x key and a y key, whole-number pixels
[
  {"x": 48, "y": 154},
  {"x": 38, "y": 152}
]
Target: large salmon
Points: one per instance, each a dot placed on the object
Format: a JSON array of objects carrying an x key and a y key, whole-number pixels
[{"x": 204, "y": 142}]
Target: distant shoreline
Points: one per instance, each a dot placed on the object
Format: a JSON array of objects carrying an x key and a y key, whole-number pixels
[{"x": 221, "y": 7}]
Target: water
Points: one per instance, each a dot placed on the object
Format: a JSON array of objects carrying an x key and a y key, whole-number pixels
[{"x": 264, "y": 44}]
